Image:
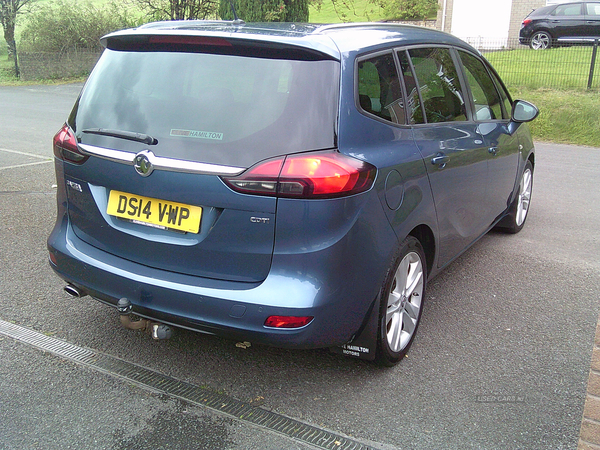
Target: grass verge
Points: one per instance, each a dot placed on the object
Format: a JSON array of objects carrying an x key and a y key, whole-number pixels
[
  {"x": 563, "y": 67},
  {"x": 566, "y": 116}
]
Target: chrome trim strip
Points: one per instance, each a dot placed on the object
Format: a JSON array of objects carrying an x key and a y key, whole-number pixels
[
  {"x": 160, "y": 162},
  {"x": 107, "y": 153}
]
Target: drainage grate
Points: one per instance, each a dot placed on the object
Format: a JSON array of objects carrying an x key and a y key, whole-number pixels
[{"x": 185, "y": 391}]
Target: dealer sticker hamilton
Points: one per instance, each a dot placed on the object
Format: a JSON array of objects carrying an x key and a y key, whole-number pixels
[{"x": 198, "y": 134}]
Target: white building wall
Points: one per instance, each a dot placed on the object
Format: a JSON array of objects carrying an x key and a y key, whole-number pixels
[{"x": 483, "y": 23}]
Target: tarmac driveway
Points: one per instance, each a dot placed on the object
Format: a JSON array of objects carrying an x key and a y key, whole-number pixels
[{"x": 501, "y": 359}]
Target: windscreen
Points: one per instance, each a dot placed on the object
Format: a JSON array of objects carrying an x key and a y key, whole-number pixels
[{"x": 222, "y": 109}]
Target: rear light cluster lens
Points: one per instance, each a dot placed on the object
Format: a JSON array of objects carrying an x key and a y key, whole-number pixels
[
  {"x": 310, "y": 175},
  {"x": 526, "y": 22},
  {"x": 287, "y": 321},
  {"x": 65, "y": 146}
]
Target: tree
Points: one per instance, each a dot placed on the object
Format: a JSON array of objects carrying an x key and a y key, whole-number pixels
[
  {"x": 9, "y": 9},
  {"x": 265, "y": 10},
  {"x": 62, "y": 26},
  {"x": 296, "y": 11},
  {"x": 178, "y": 9},
  {"x": 409, "y": 9}
]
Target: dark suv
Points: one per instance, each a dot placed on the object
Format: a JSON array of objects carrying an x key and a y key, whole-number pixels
[
  {"x": 567, "y": 22},
  {"x": 285, "y": 184}
]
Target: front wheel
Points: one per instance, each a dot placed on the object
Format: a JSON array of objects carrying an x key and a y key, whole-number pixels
[
  {"x": 401, "y": 302},
  {"x": 540, "y": 40}
]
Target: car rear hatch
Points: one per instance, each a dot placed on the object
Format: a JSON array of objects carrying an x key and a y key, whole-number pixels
[{"x": 162, "y": 118}]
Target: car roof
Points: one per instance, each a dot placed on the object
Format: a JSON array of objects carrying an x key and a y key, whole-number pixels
[
  {"x": 549, "y": 8},
  {"x": 332, "y": 40},
  {"x": 371, "y": 36}
]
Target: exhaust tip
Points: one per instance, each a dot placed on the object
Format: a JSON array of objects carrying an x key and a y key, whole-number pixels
[{"x": 74, "y": 291}]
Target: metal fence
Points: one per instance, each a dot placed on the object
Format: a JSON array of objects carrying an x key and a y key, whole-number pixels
[
  {"x": 68, "y": 64},
  {"x": 563, "y": 66},
  {"x": 573, "y": 66}
]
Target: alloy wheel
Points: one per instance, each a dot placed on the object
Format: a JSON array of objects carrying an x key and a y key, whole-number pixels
[
  {"x": 524, "y": 197},
  {"x": 404, "y": 302},
  {"x": 540, "y": 41}
]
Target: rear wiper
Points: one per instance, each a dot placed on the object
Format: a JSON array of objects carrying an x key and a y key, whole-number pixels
[{"x": 130, "y": 136}]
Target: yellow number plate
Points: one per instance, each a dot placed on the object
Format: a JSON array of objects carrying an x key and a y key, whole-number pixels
[{"x": 160, "y": 213}]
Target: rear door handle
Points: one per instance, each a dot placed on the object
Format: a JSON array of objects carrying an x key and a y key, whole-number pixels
[{"x": 440, "y": 160}]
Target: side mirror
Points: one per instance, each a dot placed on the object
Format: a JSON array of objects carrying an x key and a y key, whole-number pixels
[{"x": 523, "y": 111}]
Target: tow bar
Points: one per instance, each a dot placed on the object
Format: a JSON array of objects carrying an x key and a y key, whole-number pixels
[{"x": 158, "y": 331}]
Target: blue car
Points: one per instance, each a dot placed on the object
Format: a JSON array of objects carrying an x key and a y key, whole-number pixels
[{"x": 292, "y": 185}]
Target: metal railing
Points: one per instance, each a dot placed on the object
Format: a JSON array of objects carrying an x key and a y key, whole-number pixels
[
  {"x": 77, "y": 62},
  {"x": 572, "y": 65}
]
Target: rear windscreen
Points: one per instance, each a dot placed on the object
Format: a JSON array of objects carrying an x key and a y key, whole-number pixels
[{"x": 221, "y": 109}]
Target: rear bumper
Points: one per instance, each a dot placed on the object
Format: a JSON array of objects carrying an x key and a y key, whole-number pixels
[
  {"x": 307, "y": 284},
  {"x": 230, "y": 310}
]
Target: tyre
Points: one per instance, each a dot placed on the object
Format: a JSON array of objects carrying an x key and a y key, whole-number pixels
[
  {"x": 401, "y": 305},
  {"x": 540, "y": 40},
  {"x": 514, "y": 220}
]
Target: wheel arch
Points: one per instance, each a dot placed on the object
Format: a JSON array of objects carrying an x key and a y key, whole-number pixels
[
  {"x": 531, "y": 159},
  {"x": 543, "y": 30},
  {"x": 425, "y": 236}
]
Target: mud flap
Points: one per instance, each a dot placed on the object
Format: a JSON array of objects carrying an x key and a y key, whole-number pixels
[{"x": 364, "y": 344}]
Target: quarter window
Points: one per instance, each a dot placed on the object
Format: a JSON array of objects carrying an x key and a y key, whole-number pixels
[
  {"x": 379, "y": 90},
  {"x": 439, "y": 85}
]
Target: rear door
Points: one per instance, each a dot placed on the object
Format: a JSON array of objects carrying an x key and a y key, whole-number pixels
[
  {"x": 567, "y": 20},
  {"x": 592, "y": 19},
  {"x": 162, "y": 122},
  {"x": 491, "y": 113},
  {"x": 451, "y": 146}
]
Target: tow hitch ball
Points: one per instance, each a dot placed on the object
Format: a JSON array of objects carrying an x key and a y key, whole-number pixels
[{"x": 159, "y": 331}]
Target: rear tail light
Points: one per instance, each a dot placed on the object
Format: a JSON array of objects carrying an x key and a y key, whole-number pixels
[
  {"x": 526, "y": 22},
  {"x": 310, "y": 175},
  {"x": 288, "y": 321},
  {"x": 65, "y": 146}
]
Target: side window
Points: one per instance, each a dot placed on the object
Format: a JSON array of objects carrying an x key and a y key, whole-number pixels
[
  {"x": 438, "y": 84},
  {"x": 593, "y": 9},
  {"x": 413, "y": 102},
  {"x": 379, "y": 90},
  {"x": 568, "y": 10},
  {"x": 485, "y": 96}
]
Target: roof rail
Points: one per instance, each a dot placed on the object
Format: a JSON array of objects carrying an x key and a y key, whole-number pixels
[
  {"x": 175, "y": 24},
  {"x": 337, "y": 26}
]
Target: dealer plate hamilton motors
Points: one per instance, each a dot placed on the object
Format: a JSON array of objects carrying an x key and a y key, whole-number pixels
[{"x": 151, "y": 211}]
